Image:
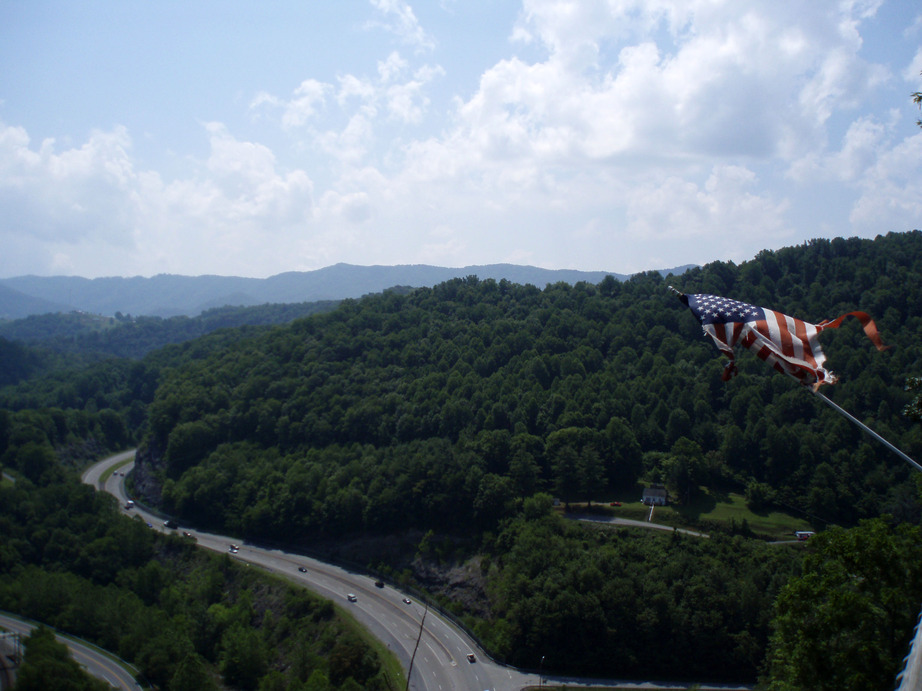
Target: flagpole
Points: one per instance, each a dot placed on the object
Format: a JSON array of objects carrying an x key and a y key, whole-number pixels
[{"x": 868, "y": 430}]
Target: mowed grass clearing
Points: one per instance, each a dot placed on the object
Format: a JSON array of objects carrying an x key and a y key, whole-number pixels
[
  {"x": 731, "y": 508},
  {"x": 707, "y": 507}
]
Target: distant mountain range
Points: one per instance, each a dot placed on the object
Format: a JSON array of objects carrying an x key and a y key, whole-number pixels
[{"x": 167, "y": 295}]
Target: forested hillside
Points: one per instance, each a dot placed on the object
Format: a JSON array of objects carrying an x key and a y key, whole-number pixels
[
  {"x": 124, "y": 336},
  {"x": 187, "y": 619},
  {"x": 444, "y": 409},
  {"x": 459, "y": 411},
  {"x": 449, "y": 403}
]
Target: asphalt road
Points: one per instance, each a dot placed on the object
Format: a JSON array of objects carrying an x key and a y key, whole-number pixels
[
  {"x": 440, "y": 663},
  {"x": 630, "y": 522},
  {"x": 95, "y": 661}
]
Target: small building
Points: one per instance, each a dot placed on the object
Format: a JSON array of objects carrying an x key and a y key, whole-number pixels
[{"x": 654, "y": 496}]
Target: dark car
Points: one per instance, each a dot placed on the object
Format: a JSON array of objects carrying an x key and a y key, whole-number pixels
[
  {"x": 170, "y": 523},
  {"x": 379, "y": 584},
  {"x": 302, "y": 569}
]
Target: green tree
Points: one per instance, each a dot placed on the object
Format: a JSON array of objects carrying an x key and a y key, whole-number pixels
[
  {"x": 626, "y": 454},
  {"x": 48, "y": 666},
  {"x": 244, "y": 657},
  {"x": 913, "y": 409},
  {"x": 317, "y": 681},
  {"x": 565, "y": 464},
  {"x": 845, "y": 623},
  {"x": 349, "y": 658},
  {"x": 592, "y": 478},
  {"x": 34, "y": 460},
  {"x": 192, "y": 674}
]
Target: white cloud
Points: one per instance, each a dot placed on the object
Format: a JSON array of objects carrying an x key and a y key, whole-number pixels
[
  {"x": 914, "y": 70},
  {"x": 92, "y": 204},
  {"x": 75, "y": 194},
  {"x": 611, "y": 131},
  {"x": 891, "y": 195},
  {"x": 400, "y": 19},
  {"x": 724, "y": 208},
  {"x": 736, "y": 77}
]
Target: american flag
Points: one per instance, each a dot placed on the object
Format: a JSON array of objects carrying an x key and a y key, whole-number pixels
[{"x": 788, "y": 344}]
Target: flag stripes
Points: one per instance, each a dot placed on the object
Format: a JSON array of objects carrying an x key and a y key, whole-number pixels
[{"x": 788, "y": 344}]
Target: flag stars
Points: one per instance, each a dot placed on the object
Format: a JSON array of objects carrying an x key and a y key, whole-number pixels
[{"x": 715, "y": 309}]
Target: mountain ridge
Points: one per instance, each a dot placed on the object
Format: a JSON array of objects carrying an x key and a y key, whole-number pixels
[{"x": 169, "y": 295}]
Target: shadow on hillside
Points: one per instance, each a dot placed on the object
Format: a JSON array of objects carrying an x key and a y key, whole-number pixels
[{"x": 701, "y": 503}]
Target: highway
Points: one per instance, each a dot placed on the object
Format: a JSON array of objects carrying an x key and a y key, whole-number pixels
[
  {"x": 95, "y": 661},
  {"x": 440, "y": 663}
]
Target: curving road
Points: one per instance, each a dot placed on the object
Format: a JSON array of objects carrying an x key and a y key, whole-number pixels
[
  {"x": 441, "y": 662},
  {"x": 95, "y": 661}
]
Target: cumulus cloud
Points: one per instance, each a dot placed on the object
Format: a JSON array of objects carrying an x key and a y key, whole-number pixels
[
  {"x": 608, "y": 129},
  {"x": 92, "y": 201},
  {"x": 399, "y": 18},
  {"x": 724, "y": 208},
  {"x": 360, "y": 111},
  {"x": 688, "y": 110},
  {"x": 75, "y": 194},
  {"x": 890, "y": 194}
]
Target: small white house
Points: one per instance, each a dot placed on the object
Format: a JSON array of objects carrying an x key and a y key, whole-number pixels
[{"x": 654, "y": 496}]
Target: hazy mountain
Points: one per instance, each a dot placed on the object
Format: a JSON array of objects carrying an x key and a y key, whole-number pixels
[
  {"x": 167, "y": 295},
  {"x": 16, "y": 305}
]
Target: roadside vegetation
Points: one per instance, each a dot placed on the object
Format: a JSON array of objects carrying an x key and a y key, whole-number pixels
[
  {"x": 186, "y": 618},
  {"x": 48, "y": 666}
]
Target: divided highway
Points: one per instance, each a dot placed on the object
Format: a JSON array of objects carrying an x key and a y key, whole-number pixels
[{"x": 441, "y": 662}]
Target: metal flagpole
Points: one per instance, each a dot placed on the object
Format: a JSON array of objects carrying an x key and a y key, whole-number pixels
[{"x": 868, "y": 430}]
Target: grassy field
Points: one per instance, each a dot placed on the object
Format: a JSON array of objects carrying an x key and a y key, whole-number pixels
[
  {"x": 708, "y": 507},
  {"x": 732, "y": 507}
]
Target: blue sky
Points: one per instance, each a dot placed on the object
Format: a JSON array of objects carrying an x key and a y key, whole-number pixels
[{"x": 243, "y": 138}]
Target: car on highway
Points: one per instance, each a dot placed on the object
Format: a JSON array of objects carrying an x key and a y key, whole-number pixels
[
  {"x": 471, "y": 658},
  {"x": 302, "y": 569},
  {"x": 129, "y": 504},
  {"x": 170, "y": 523},
  {"x": 351, "y": 597},
  {"x": 406, "y": 600},
  {"x": 233, "y": 549},
  {"x": 379, "y": 584}
]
